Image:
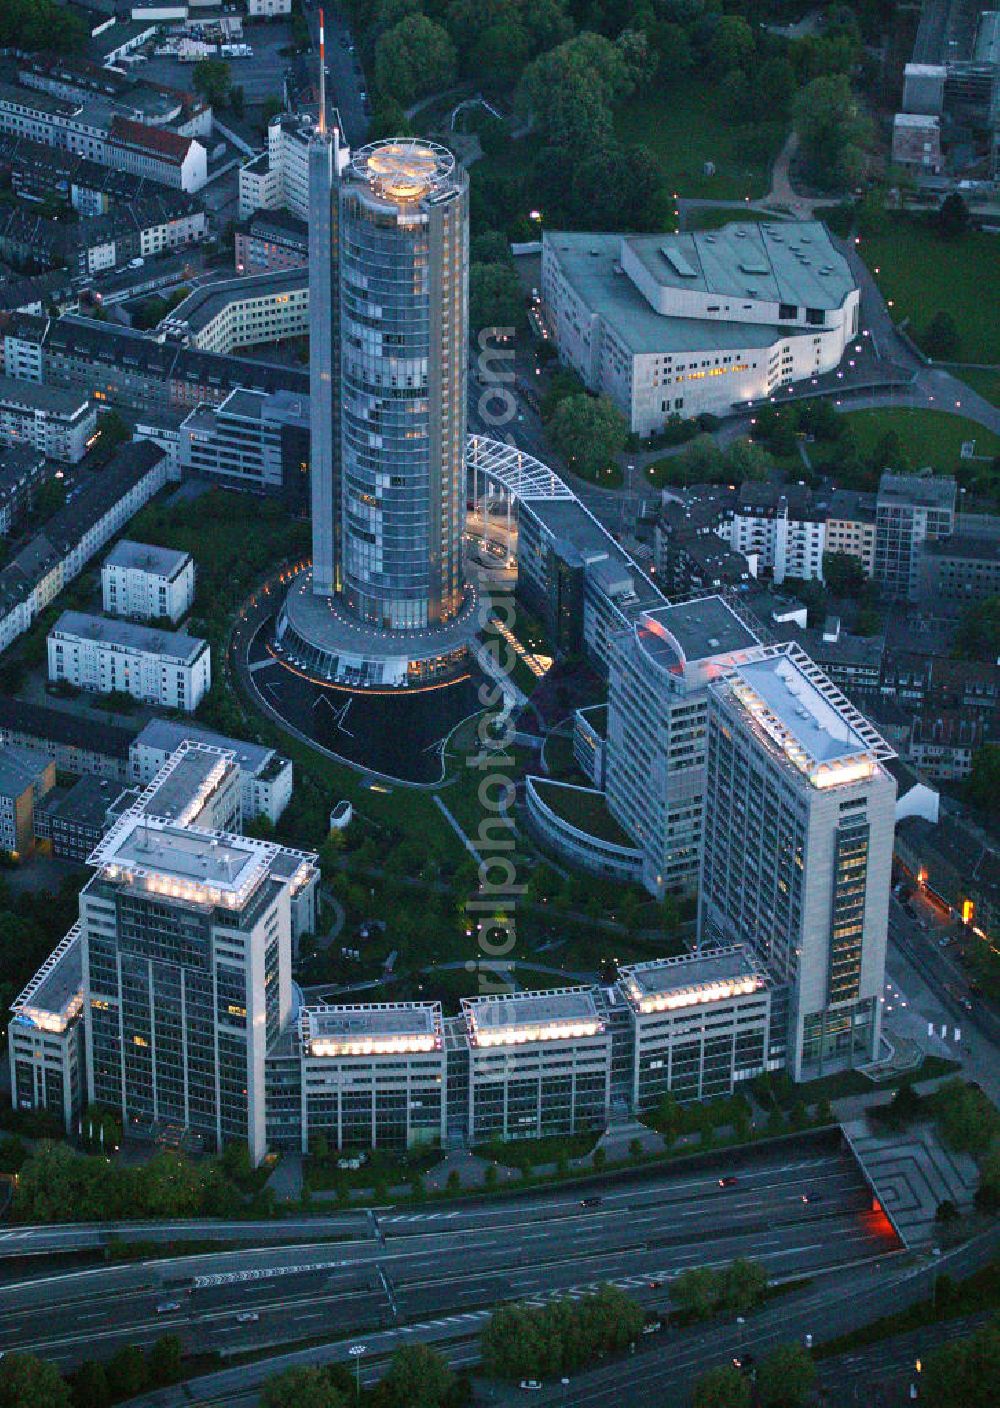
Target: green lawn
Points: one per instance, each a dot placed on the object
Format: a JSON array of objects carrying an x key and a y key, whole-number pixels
[
  {"x": 986, "y": 383},
  {"x": 927, "y": 437},
  {"x": 684, "y": 131},
  {"x": 585, "y": 809},
  {"x": 922, "y": 274},
  {"x": 713, "y": 217}
]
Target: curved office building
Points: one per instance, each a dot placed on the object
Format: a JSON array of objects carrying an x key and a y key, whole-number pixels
[{"x": 386, "y": 603}]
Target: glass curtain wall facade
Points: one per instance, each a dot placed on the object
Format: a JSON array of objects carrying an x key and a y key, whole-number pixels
[{"x": 388, "y": 507}]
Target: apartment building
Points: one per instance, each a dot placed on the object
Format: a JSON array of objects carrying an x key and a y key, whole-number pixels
[
  {"x": 23, "y": 471},
  {"x": 780, "y": 527},
  {"x": 146, "y": 582},
  {"x": 59, "y": 424},
  {"x": 265, "y": 776},
  {"x": 103, "y": 655},
  {"x": 911, "y": 511},
  {"x": 272, "y": 240},
  {"x": 26, "y": 777},
  {"x": 279, "y": 177}
]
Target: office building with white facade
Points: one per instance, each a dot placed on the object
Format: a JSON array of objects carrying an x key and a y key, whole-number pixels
[
  {"x": 373, "y": 1075},
  {"x": 45, "y": 1036},
  {"x": 147, "y": 582},
  {"x": 255, "y": 440},
  {"x": 245, "y": 312},
  {"x": 911, "y": 510},
  {"x": 279, "y": 177},
  {"x": 656, "y": 746},
  {"x": 797, "y": 850},
  {"x": 186, "y": 976},
  {"x": 689, "y": 323},
  {"x": 59, "y": 423},
  {"x": 539, "y": 1063},
  {"x": 701, "y": 1023},
  {"x": 102, "y": 654}
]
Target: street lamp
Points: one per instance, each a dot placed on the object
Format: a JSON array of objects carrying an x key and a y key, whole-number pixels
[{"x": 356, "y": 1351}]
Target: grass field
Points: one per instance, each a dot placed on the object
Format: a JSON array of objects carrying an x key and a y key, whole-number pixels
[
  {"x": 923, "y": 274},
  {"x": 684, "y": 132},
  {"x": 928, "y": 437},
  {"x": 986, "y": 383},
  {"x": 713, "y": 217}
]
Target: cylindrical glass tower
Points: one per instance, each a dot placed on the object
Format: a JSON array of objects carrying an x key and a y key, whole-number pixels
[{"x": 403, "y": 297}]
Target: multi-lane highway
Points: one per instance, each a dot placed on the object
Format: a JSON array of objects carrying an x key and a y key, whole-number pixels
[{"x": 437, "y": 1273}]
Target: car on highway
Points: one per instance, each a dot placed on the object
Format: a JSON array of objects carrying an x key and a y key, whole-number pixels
[
  {"x": 166, "y": 1307},
  {"x": 534, "y": 1385},
  {"x": 247, "y": 1317},
  {"x": 594, "y": 1202},
  {"x": 730, "y": 1181},
  {"x": 745, "y": 1362}
]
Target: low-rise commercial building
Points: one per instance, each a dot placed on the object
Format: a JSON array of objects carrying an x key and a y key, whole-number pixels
[
  {"x": 702, "y": 1024},
  {"x": 74, "y": 819},
  {"x": 255, "y": 440},
  {"x": 146, "y": 582},
  {"x": 690, "y": 323},
  {"x": 60, "y": 424},
  {"x": 105, "y": 655},
  {"x": 373, "y": 1075},
  {"x": 539, "y": 1063}
]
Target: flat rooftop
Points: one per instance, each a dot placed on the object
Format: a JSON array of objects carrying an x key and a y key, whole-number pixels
[
  {"x": 715, "y": 975},
  {"x": 57, "y": 400},
  {"x": 54, "y": 995},
  {"x": 126, "y": 635},
  {"x": 791, "y": 262},
  {"x": 808, "y": 723},
  {"x": 371, "y": 1029},
  {"x": 703, "y": 628},
  {"x": 196, "y": 867},
  {"x": 184, "y": 783},
  {"x": 20, "y": 768},
  {"x": 146, "y": 557},
  {"x": 164, "y": 735},
  {"x": 591, "y": 264},
  {"x": 925, "y": 490},
  {"x": 559, "y": 1014}
]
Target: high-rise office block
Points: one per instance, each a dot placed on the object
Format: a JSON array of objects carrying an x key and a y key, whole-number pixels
[
  {"x": 186, "y": 938},
  {"x": 797, "y": 851},
  {"x": 657, "y": 723}
]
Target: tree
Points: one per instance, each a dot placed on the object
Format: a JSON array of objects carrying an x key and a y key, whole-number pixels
[
  {"x": 832, "y": 132},
  {"x": 90, "y": 1386},
  {"x": 572, "y": 90},
  {"x": 940, "y": 338},
  {"x": 211, "y": 78},
  {"x": 29, "y": 1382},
  {"x": 496, "y": 299},
  {"x": 744, "y": 1285},
  {"x": 785, "y": 1378},
  {"x": 270, "y": 109},
  {"x": 237, "y": 99},
  {"x": 127, "y": 1372},
  {"x": 389, "y": 120},
  {"x": 732, "y": 45},
  {"x": 13, "y": 1154},
  {"x": 696, "y": 1291},
  {"x": 843, "y": 573},
  {"x": 165, "y": 1360},
  {"x": 418, "y": 1377},
  {"x": 965, "y": 1373},
  {"x": 413, "y": 58},
  {"x": 723, "y": 1387},
  {"x": 588, "y": 431},
  {"x": 953, "y": 216},
  {"x": 302, "y": 1388}
]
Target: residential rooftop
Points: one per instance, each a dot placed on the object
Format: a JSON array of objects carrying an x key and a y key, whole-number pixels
[
  {"x": 184, "y": 784},
  {"x": 144, "y": 557},
  {"x": 57, "y": 400},
  {"x": 165, "y": 735},
  {"x": 203, "y": 305},
  {"x": 54, "y": 996},
  {"x": 922, "y": 490},
  {"x": 20, "y": 768},
  {"x": 692, "y": 979},
  {"x": 127, "y": 635}
]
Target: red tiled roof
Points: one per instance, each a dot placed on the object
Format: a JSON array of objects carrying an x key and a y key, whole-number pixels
[{"x": 158, "y": 141}]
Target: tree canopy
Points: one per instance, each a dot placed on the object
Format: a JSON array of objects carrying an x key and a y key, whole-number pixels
[
  {"x": 588, "y": 431},
  {"x": 413, "y": 58},
  {"x": 29, "y": 1382},
  {"x": 833, "y": 132}
]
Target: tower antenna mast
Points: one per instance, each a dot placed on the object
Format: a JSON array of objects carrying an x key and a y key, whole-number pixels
[{"x": 322, "y": 76}]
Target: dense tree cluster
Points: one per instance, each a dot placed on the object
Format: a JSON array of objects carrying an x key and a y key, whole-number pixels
[
  {"x": 784, "y": 1379},
  {"x": 563, "y": 1336},
  {"x": 703, "y": 1291},
  {"x": 965, "y": 1373},
  {"x": 41, "y": 24},
  {"x": 57, "y": 1183}
]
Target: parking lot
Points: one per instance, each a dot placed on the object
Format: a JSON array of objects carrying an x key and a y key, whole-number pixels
[{"x": 260, "y": 76}]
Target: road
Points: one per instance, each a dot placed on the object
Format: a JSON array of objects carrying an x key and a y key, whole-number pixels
[{"x": 437, "y": 1272}]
